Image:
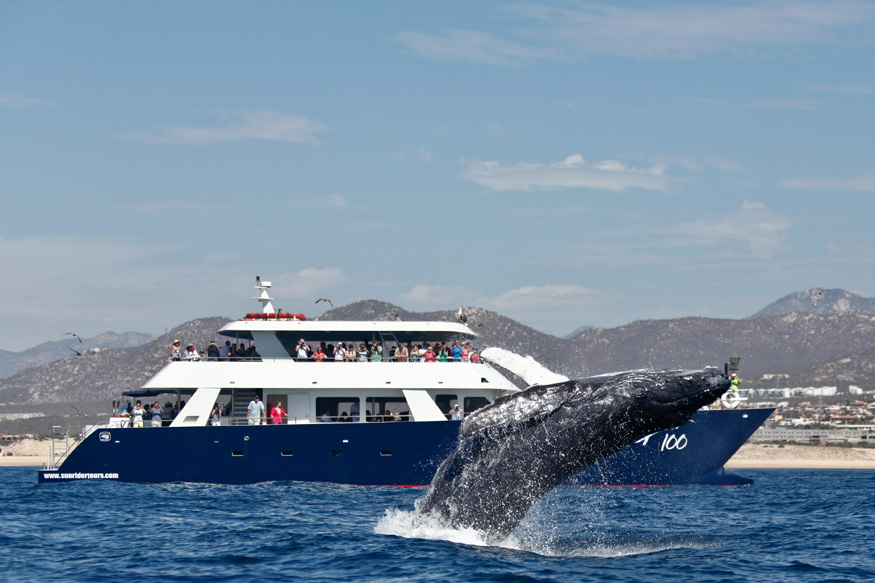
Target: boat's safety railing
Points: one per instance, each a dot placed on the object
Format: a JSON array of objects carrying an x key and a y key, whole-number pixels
[{"x": 59, "y": 446}]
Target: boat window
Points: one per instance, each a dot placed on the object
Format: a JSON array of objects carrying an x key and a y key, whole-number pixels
[
  {"x": 338, "y": 408},
  {"x": 387, "y": 409},
  {"x": 445, "y": 403},
  {"x": 474, "y": 403}
]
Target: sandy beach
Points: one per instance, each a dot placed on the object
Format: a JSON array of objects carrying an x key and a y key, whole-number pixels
[{"x": 751, "y": 455}]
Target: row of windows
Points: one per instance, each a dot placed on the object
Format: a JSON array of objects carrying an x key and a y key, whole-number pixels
[{"x": 389, "y": 408}]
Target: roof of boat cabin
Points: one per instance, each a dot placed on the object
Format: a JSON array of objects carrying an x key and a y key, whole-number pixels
[{"x": 335, "y": 330}]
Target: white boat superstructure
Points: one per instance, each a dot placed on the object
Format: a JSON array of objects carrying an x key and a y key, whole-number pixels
[{"x": 410, "y": 391}]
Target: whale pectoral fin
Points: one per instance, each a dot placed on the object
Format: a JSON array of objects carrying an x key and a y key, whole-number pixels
[{"x": 533, "y": 403}]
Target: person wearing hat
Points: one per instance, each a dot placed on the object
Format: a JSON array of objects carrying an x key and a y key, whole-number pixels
[
  {"x": 191, "y": 353},
  {"x": 175, "y": 351},
  {"x": 734, "y": 382}
]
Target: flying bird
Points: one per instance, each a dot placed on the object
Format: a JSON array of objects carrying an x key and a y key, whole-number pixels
[
  {"x": 325, "y": 300},
  {"x": 81, "y": 414},
  {"x": 73, "y": 334},
  {"x": 462, "y": 317},
  {"x": 77, "y": 352}
]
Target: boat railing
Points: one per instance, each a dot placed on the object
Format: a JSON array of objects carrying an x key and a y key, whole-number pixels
[
  {"x": 59, "y": 446},
  {"x": 327, "y": 359}
]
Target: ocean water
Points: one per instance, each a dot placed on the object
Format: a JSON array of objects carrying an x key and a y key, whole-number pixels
[{"x": 790, "y": 526}]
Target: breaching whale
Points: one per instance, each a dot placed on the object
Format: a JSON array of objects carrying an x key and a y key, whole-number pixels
[{"x": 523, "y": 445}]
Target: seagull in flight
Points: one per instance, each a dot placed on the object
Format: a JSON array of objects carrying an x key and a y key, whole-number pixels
[
  {"x": 73, "y": 334},
  {"x": 325, "y": 300},
  {"x": 77, "y": 352},
  {"x": 462, "y": 317}
]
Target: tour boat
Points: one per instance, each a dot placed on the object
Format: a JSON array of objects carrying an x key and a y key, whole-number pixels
[{"x": 381, "y": 421}]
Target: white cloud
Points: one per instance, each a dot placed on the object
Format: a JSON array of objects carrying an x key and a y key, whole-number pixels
[
  {"x": 550, "y": 297},
  {"x": 425, "y": 297},
  {"x": 753, "y": 229},
  {"x": 864, "y": 183},
  {"x": 330, "y": 201},
  {"x": 309, "y": 283},
  {"x": 847, "y": 89},
  {"x": 761, "y": 104},
  {"x": 169, "y": 208},
  {"x": 472, "y": 46},
  {"x": 573, "y": 172},
  {"x": 681, "y": 31},
  {"x": 253, "y": 125},
  {"x": 419, "y": 154},
  {"x": 21, "y": 101},
  {"x": 694, "y": 29}
]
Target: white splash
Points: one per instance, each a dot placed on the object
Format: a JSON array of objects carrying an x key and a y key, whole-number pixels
[
  {"x": 413, "y": 525},
  {"x": 527, "y": 368}
]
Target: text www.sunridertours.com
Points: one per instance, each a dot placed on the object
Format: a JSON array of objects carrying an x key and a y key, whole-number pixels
[{"x": 81, "y": 476}]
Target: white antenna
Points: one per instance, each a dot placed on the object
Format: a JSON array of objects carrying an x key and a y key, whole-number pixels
[{"x": 266, "y": 305}]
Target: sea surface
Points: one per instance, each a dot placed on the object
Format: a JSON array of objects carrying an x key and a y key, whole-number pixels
[{"x": 790, "y": 526}]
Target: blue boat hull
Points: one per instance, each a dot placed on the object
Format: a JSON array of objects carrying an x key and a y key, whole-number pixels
[{"x": 396, "y": 454}]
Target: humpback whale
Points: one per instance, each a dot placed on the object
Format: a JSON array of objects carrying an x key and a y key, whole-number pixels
[{"x": 520, "y": 447}]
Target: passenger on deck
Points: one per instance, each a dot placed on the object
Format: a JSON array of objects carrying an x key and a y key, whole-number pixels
[
  {"x": 216, "y": 416},
  {"x": 326, "y": 417},
  {"x": 319, "y": 355},
  {"x": 241, "y": 351},
  {"x": 213, "y": 350},
  {"x": 457, "y": 352},
  {"x": 277, "y": 413},
  {"x": 301, "y": 350},
  {"x": 414, "y": 354},
  {"x": 255, "y": 412},
  {"x": 156, "y": 412},
  {"x": 354, "y": 410},
  {"x": 225, "y": 350},
  {"x": 401, "y": 353},
  {"x": 175, "y": 351},
  {"x": 167, "y": 415},
  {"x": 456, "y": 414},
  {"x": 377, "y": 352},
  {"x": 388, "y": 416},
  {"x": 429, "y": 355},
  {"x": 475, "y": 356},
  {"x": 350, "y": 353},
  {"x": 339, "y": 353},
  {"x": 137, "y": 415},
  {"x": 443, "y": 354},
  {"x": 362, "y": 354},
  {"x": 191, "y": 353}
]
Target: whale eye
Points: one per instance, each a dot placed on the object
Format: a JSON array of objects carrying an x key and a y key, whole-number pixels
[{"x": 639, "y": 393}]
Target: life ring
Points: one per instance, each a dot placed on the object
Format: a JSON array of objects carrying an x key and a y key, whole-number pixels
[{"x": 730, "y": 399}]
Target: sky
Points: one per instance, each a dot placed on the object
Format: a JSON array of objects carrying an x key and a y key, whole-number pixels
[{"x": 563, "y": 164}]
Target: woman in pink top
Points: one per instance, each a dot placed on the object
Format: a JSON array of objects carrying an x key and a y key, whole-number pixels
[{"x": 277, "y": 413}]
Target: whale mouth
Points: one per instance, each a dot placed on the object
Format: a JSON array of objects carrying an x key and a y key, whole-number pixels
[{"x": 696, "y": 389}]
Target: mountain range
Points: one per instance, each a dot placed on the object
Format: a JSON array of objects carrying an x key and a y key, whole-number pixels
[{"x": 817, "y": 337}]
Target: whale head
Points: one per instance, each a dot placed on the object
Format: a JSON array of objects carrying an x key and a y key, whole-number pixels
[{"x": 521, "y": 446}]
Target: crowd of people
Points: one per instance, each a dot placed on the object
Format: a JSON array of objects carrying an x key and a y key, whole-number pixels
[
  {"x": 156, "y": 414},
  {"x": 373, "y": 351},
  {"x": 229, "y": 351},
  {"x": 367, "y": 351}
]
